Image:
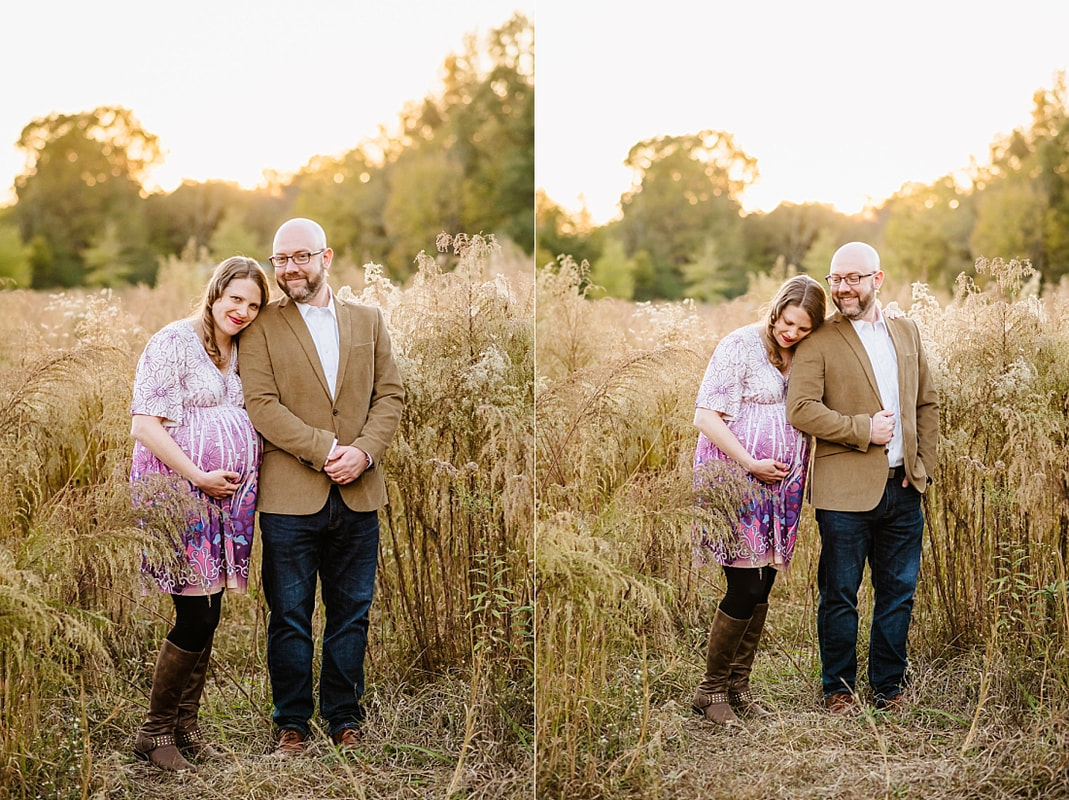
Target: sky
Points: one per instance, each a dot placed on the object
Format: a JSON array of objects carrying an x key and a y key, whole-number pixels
[
  {"x": 231, "y": 87},
  {"x": 840, "y": 102}
]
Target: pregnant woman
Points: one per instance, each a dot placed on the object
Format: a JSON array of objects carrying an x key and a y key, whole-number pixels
[
  {"x": 741, "y": 415},
  {"x": 193, "y": 435}
]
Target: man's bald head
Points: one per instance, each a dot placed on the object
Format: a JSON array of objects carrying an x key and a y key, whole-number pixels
[
  {"x": 855, "y": 257},
  {"x": 306, "y": 230}
]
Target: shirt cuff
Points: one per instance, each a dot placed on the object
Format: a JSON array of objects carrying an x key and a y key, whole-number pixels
[{"x": 331, "y": 451}]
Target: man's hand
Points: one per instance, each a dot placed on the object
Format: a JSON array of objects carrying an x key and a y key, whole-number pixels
[
  {"x": 346, "y": 464},
  {"x": 883, "y": 427}
]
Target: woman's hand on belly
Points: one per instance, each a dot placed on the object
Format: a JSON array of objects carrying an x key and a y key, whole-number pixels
[
  {"x": 218, "y": 484},
  {"x": 768, "y": 470}
]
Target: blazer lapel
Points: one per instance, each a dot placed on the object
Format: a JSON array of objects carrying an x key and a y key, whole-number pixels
[
  {"x": 853, "y": 341},
  {"x": 901, "y": 343},
  {"x": 345, "y": 340},
  {"x": 292, "y": 315}
]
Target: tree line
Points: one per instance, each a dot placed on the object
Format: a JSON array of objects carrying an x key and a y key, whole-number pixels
[
  {"x": 682, "y": 231},
  {"x": 462, "y": 159}
]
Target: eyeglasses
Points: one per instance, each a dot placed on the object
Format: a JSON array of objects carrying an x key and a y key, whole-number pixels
[
  {"x": 853, "y": 280},
  {"x": 298, "y": 258}
]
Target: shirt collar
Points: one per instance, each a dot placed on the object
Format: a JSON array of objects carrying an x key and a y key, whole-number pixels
[
  {"x": 307, "y": 308},
  {"x": 879, "y": 324}
]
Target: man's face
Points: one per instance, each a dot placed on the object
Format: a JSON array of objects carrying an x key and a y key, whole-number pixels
[
  {"x": 301, "y": 282},
  {"x": 855, "y": 301}
]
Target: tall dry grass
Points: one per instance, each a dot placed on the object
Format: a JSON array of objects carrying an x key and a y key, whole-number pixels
[
  {"x": 999, "y": 512},
  {"x": 622, "y": 611},
  {"x": 451, "y": 650},
  {"x": 458, "y": 560},
  {"x": 614, "y": 507}
]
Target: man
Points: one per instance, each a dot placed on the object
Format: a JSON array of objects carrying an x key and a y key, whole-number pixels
[
  {"x": 322, "y": 388},
  {"x": 860, "y": 385}
]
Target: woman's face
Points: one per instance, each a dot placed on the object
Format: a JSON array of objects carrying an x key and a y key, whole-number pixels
[
  {"x": 792, "y": 326},
  {"x": 237, "y": 306}
]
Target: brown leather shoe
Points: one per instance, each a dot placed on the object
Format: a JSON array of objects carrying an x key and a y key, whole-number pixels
[
  {"x": 346, "y": 738},
  {"x": 842, "y": 704},
  {"x": 895, "y": 703},
  {"x": 291, "y": 742}
]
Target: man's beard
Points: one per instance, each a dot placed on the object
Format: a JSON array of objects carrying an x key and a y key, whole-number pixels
[
  {"x": 864, "y": 304},
  {"x": 311, "y": 287}
]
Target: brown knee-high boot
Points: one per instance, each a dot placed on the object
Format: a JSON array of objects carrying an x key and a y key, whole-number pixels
[
  {"x": 155, "y": 741},
  {"x": 739, "y": 692},
  {"x": 711, "y": 696},
  {"x": 187, "y": 733}
]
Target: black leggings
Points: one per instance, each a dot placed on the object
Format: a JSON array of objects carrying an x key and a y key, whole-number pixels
[
  {"x": 195, "y": 620},
  {"x": 747, "y": 588}
]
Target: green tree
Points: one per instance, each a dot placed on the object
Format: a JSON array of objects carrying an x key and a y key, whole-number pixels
[
  {"x": 423, "y": 201},
  {"x": 788, "y": 231},
  {"x": 218, "y": 215},
  {"x": 1010, "y": 220},
  {"x": 1022, "y": 196},
  {"x": 561, "y": 233},
  {"x": 684, "y": 194},
  {"x": 83, "y": 171},
  {"x": 15, "y": 264},
  {"x": 347, "y": 195},
  {"x": 614, "y": 273},
  {"x": 232, "y": 237},
  {"x": 105, "y": 259},
  {"x": 927, "y": 229},
  {"x": 714, "y": 276},
  {"x": 647, "y": 286},
  {"x": 817, "y": 259},
  {"x": 473, "y": 144},
  {"x": 485, "y": 117}
]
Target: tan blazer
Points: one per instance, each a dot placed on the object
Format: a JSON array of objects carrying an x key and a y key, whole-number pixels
[
  {"x": 832, "y": 394},
  {"x": 290, "y": 405}
]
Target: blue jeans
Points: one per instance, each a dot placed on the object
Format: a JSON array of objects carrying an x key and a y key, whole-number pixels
[
  {"x": 889, "y": 537},
  {"x": 340, "y": 546}
]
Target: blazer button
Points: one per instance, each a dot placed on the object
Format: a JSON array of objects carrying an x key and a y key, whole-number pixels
[{"x": 334, "y": 412}]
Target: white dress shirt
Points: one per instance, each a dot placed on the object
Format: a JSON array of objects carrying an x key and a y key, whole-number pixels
[
  {"x": 881, "y": 351},
  {"x": 322, "y": 322}
]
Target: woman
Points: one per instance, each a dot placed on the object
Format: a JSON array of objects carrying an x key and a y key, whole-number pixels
[
  {"x": 191, "y": 430},
  {"x": 741, "y": 416}
]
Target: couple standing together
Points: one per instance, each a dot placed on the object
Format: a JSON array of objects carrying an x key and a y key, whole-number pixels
[
  {"x": 859, "y": 386},
  {"x": 316, "y": 383}
]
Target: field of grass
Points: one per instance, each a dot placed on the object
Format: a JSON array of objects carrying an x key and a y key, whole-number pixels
[
  {"x": 622, "y": 612},
  {"x": 450, "y": 659},
  {"x": 464, "y": 699}
]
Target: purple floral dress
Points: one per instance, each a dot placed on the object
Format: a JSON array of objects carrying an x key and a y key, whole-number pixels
[
  {"x": 204, "y": 411},
  {"x": 751, "y": 395}
]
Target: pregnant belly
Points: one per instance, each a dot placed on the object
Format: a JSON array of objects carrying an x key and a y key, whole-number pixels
[
  {"x": 765, "y": 433},
  {"x": 220, "y": 440}
]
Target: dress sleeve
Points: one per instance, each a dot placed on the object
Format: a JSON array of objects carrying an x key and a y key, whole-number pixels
[
  {"x": 721, "y": 388},
  {"x": 158, "y": 383}
]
